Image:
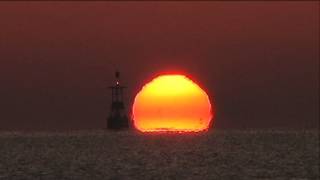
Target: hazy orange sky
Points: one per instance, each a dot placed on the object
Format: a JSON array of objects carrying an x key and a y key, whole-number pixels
[{"x": 259, "y": 61}]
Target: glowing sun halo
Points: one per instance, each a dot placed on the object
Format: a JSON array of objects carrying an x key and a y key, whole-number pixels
[{"x": 171, "y": 103}]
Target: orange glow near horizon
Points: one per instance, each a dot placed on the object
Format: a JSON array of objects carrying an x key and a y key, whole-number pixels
[{"x": 172, "y": 103}]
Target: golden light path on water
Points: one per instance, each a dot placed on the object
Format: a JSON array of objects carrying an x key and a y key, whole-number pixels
[{"x": 172, "y": 103}]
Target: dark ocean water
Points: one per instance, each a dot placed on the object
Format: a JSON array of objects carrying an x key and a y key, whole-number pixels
[{"x": 131, "y": 155}]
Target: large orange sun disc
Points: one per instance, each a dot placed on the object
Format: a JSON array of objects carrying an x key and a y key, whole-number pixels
[{"x": 172, "y": 103}]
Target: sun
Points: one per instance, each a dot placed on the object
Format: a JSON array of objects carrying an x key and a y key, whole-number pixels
[{"x": 172, "y": 103}]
